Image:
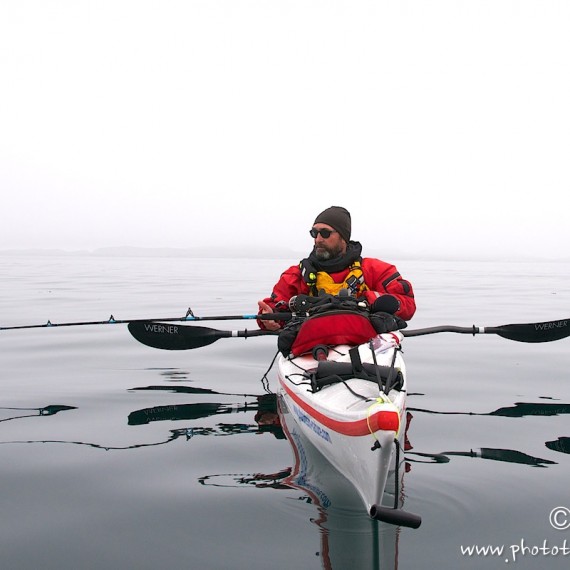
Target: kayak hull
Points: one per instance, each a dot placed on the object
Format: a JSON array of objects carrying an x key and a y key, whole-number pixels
[{"x": 353, "y": 423}]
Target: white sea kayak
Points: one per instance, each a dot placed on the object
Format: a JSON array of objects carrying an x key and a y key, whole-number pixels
[{"x": 352, "y": 407}]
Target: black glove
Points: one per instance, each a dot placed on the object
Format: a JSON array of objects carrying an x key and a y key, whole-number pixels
[{"x": 385, "y": 304}]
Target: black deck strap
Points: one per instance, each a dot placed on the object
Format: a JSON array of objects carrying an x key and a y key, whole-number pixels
[
  {"x": 346, "y": 370},
  {"x": 392, "y": 376},
  {"x": 316, "y": 385},
  {"x": 331, "y": 372},
  {"x": 355, "y": 361}
]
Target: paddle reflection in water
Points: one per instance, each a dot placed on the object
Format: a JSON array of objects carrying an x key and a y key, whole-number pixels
[
  {"x": 174, "y": 435},
  {"x": 50, "y": 410},
  {"x": 266, "y": 418},
  {"x": 343, "y": 535},
  {"x": 518, "y": 410},
  {"x": 264, "y": 406},
  {"x": 562, "y": 444},
  {"x": 508, "y": 455}
]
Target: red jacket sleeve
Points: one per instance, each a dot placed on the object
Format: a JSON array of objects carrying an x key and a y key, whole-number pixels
[
  {"x": 384, "y": 279},
  {"x": 290, "y": 284}
]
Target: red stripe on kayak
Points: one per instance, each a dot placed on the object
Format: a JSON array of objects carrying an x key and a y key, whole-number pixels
[{"x": 386, "y": 421}]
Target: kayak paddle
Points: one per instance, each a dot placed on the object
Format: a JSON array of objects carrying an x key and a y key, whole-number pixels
[{"x": 181, "y": 337}]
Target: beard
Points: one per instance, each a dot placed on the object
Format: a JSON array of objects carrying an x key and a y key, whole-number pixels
[{"x": 324, "y": 253}]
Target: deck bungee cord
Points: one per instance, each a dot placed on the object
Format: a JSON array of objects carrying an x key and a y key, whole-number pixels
[{"x": 188, "y": 317}]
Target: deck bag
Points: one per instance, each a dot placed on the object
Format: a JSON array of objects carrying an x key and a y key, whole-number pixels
[{"x": 330, "y": 328}]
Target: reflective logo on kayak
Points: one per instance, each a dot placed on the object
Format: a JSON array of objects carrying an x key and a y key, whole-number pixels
[{"x": 309, "y": 422}]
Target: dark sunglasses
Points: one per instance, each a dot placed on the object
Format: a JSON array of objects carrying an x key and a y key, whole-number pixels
[{"x": 324, "y": 232}]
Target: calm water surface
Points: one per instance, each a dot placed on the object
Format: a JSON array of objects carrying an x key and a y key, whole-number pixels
[{"x": 118, "y": 456}]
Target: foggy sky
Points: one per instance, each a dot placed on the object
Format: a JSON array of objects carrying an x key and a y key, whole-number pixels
[{"x": 442, "y": 126}]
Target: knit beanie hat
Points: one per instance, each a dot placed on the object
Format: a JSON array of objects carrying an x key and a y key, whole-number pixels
[{"x": 337, "y": 218}]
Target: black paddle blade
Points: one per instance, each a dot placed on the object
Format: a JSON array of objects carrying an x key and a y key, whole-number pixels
[
  {"x": 531, "y": 332},
  {"x": 174, "y": 337},
  {"x": 534, "y": 332}
]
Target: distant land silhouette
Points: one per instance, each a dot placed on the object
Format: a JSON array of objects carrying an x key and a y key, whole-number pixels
[{"x": 268, "y": 252}]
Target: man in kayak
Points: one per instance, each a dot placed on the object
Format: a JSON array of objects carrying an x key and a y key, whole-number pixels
[{"x": 335, "y": 263}]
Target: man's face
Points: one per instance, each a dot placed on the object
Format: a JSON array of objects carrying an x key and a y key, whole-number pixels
[{"x": 328, "y": 247}]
